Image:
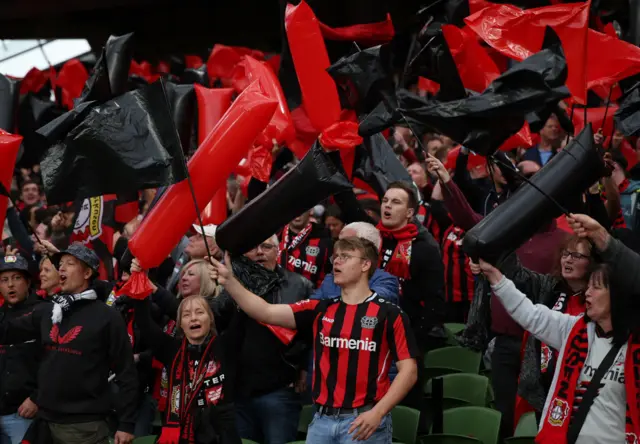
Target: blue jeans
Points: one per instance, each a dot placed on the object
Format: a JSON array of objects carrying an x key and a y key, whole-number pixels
[
  {"x": 12, "y": 428},
  {"x": 335, "y": 430},
  {"x": 270, "y": 419}
]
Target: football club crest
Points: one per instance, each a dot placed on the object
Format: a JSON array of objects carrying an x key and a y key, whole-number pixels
[
  {"x": 10, "y": 259},
  {"x": 559, "y": 412},
  {"x": 369, "y": 322},
  {"x": 89, "y": 221}
]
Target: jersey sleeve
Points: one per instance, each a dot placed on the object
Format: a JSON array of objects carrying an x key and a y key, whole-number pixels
[
  {"x": 305, "y": 313},
  {"x": 402, "y": 343}
]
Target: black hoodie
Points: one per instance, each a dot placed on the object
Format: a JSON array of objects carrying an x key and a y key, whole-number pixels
[
  {"x": 19, "y": 363},
  {"x": 78, "y": 355}
]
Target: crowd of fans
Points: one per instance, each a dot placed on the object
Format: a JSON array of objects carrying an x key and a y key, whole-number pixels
[{"x": 332, "y": 311}]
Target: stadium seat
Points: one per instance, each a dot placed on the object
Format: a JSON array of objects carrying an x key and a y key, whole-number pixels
[
  {"x": 306, "y": 416},
  {"x": 405, "y": 422},
  {"x": 462, "y": 389},
  {"x": 476, "y": 422},
  {"x": 526, "y": 430},
  {"x": 447, "y": 360},
  {"x": 452, "y": 329},
  {"x": 145, "y": 439},
  {"x": 248, "y": 441}
]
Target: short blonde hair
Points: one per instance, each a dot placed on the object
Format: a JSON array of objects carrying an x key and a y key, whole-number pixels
[
  {"x": 202, "y": 302},
  {"x": 208, "y": 288}
]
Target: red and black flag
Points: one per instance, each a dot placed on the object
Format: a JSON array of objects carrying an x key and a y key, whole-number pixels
[{"x": 97, "y": 219}]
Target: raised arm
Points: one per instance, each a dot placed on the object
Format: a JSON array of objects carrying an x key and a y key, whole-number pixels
[
  {"x": 252, "y": 304},
  {"x": 461, "y": 212},
  {"x": 624, "y": 262},
  {"x": 549, "y": 326}
]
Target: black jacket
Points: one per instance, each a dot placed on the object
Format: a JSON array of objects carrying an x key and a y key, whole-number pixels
[
  {"x": 78, "y": 355},
  {"x": 19, "y": 363},
  {"x": 423, "y": 295},
  {"x": 213, "y": 424},
  {"x": 265, "y": 363}
]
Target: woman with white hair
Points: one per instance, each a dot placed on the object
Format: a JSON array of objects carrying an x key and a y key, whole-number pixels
[{"x": 384, "y": 284}]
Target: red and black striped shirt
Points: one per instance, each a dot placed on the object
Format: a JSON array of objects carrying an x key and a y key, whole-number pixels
[
  {"x": 458, "y": 279},
  {"x": 307, "y": 253},
  {"x": 353, "y": 347}
]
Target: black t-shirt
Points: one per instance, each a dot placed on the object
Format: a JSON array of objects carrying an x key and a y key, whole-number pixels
[{"x": 354, "y": 346}]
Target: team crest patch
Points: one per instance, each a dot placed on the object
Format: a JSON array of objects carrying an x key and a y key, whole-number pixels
[
  {"x": 368, "y": 322},
  {"x": 545, "y": 357},
  {"x": 312, "y": 251},
  {"x": 559, "y": 412},
  {"x": 632, "y": 438},
  {"x": 175, "y": 400},
  {"x": 10, "y": 259}
]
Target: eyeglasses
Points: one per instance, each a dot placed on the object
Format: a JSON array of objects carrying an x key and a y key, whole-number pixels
[
  {"x": 343, "y": 257},
  {"x": 574, "y": 255}
]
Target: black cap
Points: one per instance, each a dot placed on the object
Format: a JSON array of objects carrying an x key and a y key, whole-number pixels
[
  {"x": 14, "y": 263},
  {"x": 80, "y": 252}
]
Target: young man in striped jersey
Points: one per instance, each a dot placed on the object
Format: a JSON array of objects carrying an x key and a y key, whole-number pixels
[{"x": 356, "y": 337}]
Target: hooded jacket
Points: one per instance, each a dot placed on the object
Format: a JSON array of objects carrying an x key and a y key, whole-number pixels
[
  {"x": 77, "y": 357},
  {"x": 19, "y": 362}
]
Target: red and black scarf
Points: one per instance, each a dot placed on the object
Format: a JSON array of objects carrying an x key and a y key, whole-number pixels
[
  {"x": 161, "y": 386},
  {"x": 555, "y": 424},
  {"x": 192, "y": 384},
  {"x": 398, "y": 262},
  {"x": 290, "y": 244},
  {"x": 548, "y": 356}
]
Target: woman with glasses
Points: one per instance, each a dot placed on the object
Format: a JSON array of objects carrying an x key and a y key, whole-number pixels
[{"x": 563, "y": 291}]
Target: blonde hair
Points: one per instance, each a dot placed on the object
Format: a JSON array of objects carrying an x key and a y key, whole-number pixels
[
  {"x": 208, "y": 288},
  {"x": 199, "y": 300}
]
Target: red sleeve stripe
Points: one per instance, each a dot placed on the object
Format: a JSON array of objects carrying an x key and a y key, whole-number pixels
[
  {"x": 306, "y": 305},
  {"x": 400, "y": 339}
]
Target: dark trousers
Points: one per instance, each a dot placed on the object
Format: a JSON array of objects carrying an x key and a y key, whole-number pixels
[
  {"x": 505, "y": 370},
  {"x": 270, "y": 419},
  {"x": 94, "y": 432}
]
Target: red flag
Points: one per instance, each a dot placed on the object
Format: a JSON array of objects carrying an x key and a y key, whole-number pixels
[
  {"x": 596, "y": 117},
  {"x": 610, "y": 59},
  {"x": 477, "y": 70},
  {"x": 519, "y": 34}
]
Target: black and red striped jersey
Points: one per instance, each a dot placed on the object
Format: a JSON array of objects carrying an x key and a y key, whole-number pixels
[
  {"x": 458, "y": 279},
  {"x": 353, "y": 347},
  {"x": 307, "y": 253}
]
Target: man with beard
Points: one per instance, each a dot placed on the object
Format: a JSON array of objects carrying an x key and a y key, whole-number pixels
[
  {"x": 83, "y": 340},
  {"x": 19, "y": 362},
  {"x": 271, "y": 368},
  {"x": 306, "y": 248}
]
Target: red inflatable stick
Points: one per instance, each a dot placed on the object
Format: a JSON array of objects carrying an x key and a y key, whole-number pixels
[
  {"x": 212, "y": 104},
  {"x": 310, "y": 58},
  {"x": 209, "y": 168},
  {"x": 9, "y": 146},
  {"x": 281, "y": 126}
]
